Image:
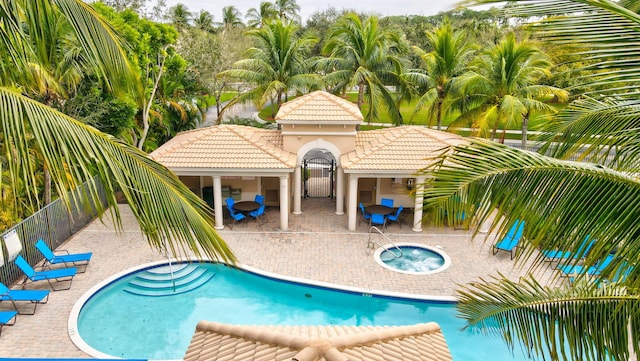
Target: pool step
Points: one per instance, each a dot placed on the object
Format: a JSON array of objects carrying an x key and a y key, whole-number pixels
[
  {"x": 164, "y": 273},
  {"x": 162, "y": 282}
]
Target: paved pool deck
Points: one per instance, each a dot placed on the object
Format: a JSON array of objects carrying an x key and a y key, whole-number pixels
[{"x": 317, "y": 247}]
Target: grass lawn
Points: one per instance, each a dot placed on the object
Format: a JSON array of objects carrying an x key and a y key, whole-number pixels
[{"x": 226, "y": 96}]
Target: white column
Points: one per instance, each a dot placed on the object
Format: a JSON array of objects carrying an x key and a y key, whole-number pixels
[
  {"x": 297, "y": 192},
  {"x": 200, "y": 186},
  {"x": 352, "y": 207},
  {"x": 217, "y": 203},
  {"x": 417, "y": 210},
  {"x": 284, "y": 202},
  {"x": 340, "y": 192}
]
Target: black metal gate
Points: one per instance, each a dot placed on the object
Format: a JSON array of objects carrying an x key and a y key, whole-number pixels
[{"x": 318, "y": 178}]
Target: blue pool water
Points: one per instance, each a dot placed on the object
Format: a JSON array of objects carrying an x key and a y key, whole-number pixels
[{"x": 119, "y": 321}]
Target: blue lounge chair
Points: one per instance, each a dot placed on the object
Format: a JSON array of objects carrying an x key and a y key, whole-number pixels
[
  {"x": 396, "y": 216},
  {"x": 34, "y": 297},
  {"x": 366, "y": 216},
  {"x": 78, "y": 260},
  {"x": 510, "y": 242},
  {"x": 567, "y": 256},
  {"x": 571, "y": 270},
  {"x": 59, "y": 275},
  {"x": 6, "y": 317},
  {"x": 387, "y": 202},
  {"x": 621, "y": 274}
]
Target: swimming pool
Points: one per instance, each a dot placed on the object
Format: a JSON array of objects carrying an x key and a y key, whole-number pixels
[{"x": 110, "y": 321}]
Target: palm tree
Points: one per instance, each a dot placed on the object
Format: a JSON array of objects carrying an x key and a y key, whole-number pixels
[
  {"x": 362, "y": 55},
  {"x": 76, "y": 153},
  {"x": 502, "y": 87},
  {"x": 179, "y": 15},
  {"x": 276, "y": 65},
  {"x": 287, "y": 10},
  {"x": 447, "y": 60},
  {"x": 231, "y": 17},
  {"x": 258, "y": 17},
  {"x": 56, "y": 66},
  {"x": 204, "y": 21},
  {"x": 563, "y": 201}
]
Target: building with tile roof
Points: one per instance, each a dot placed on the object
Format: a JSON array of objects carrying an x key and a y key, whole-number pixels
[
  {"x": 317, "y": 151},
  {"x": 222, "y": 342}
]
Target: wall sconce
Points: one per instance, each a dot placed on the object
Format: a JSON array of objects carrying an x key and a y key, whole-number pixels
[{"x": 410, "y": 184}]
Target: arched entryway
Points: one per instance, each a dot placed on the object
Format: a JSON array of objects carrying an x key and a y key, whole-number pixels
[{"x": 318, "y": 175}]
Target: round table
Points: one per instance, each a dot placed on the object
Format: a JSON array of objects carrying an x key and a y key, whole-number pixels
[
  {"x": 246, "y": 206},
  {"x": 379, "y": 209}
]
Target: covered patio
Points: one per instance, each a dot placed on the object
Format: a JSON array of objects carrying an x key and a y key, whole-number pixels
[{"x": 239, "y": 161}]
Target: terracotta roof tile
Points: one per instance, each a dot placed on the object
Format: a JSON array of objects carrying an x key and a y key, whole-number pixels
[
  {"x": 404, "y": 148},
  {"x": 226, "y": 147},
  {"x": 319, "y": 107},
  {"x": 216, "y": 341}
]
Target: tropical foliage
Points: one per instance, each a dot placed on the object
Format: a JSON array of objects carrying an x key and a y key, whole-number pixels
[
  {"x": 231, "y": 18},
  {"x": 169, "y": 99},
  {"x": 592, "y": 318},
  {"x": 258, "y": 17},
  {"x": 504, "y": 86},
  {"x": 448, "y": 59},
  {"x": 287, "y": 10},
  {"x": 277, "y": 64},
  {"x": 74, "y": 153},
  {"x": 179, "y": 15},
  {"x": 203, "y": 21},
  {"x": 361, "y": 55}
]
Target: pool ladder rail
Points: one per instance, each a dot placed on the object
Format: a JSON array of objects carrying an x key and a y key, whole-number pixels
[{"x": 371, "y": 243}]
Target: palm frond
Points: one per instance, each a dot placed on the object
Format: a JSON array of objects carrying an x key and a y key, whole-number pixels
[
  {"x": 600, "y": 131},
  {"x": 76, "y": 153},
  {"x": 561, "y": 201},
  {"x": 101, "y": 43},
  {"x": 604, "y": 34},
  {"x": 427, "y": 101},
  {"x": 565, "y": 323}
]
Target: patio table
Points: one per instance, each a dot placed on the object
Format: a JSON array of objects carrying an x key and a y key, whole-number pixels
[
  {"x": 246, "y": 206},
  {"x": 379, "y": 209}
]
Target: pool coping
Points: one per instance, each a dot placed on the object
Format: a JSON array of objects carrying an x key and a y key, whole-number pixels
[{"x": 72, "y": 324}]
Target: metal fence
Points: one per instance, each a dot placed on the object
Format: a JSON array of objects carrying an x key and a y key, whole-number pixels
[{"x": 54, "y": 224}]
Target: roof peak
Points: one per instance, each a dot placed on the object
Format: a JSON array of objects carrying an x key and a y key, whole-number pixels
[
  {"x": 319, "y": 106},
  {"x": 312, "y": 343}
]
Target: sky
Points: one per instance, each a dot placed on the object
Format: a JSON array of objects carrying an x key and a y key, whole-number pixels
[{"x": 308, "y": 7}]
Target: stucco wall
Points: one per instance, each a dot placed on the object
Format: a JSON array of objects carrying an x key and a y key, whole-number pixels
[{"x": 295, "y": 136}]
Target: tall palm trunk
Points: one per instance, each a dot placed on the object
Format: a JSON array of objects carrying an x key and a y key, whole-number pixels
[
  {"x": 46, "y": 175},
  {"x": 439, "y": 114},
  {"x": 360, "y": 94},
  {"x": 47, "y": 185},
  {"x": 218, "y": 96},
  {"x": 525, "y": 125}
]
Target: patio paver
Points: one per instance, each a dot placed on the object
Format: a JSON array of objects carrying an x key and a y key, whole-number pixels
[{"x": 318, "y": 246}]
